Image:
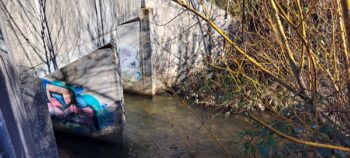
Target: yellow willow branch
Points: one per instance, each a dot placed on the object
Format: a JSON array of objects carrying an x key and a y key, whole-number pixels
[
  {"x": 284, "y": 55},
  {"x": 313, "y": 77},
  {"x": 240, "y": 51},
  {"x": 342, "y": 33},
  {"x": 290, "y": 57},
  {"x": 296, "y": 140},
  {"x": 335, "y": 56},
  {"x": 304, "y": 34},
  {"x": 345, "y": 28},
  {"x": 283, "y": 36},
  {"x": 301, "y": 36}
]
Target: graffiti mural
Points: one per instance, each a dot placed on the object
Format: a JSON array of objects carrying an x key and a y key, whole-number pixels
[
  {"x": 130, "y": 65},
  {"x": 70, "y": 107}
]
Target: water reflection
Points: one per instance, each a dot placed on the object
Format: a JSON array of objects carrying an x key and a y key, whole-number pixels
[{"x": 162, "y": 127}]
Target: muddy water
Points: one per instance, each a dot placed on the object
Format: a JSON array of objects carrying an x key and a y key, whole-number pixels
[{"x": 163, "y": 127}]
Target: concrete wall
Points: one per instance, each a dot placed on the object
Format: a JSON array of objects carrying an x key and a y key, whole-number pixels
[
  {"x": 180, "y": 40},
  {"x": 28, "y": 122},
  {"x": 2, "y": 43},
  {"x": 135, "y": 50},
  {"x": 168, "y": 41},
  {"x": 49, "y": 34},
  {"x": 165, "y": 45},
  {"x": 86, "y": 96},
  {"x": 128, "y": 37},
  {"x": 46, "y": 35},
  {"x": 21, "y": 128}
]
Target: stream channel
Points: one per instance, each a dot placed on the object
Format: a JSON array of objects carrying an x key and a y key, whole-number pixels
[{"x": 163, "y": 127}]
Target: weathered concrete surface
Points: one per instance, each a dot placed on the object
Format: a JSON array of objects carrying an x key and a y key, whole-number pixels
[
  {"x": 2, "y": 43},
  {"x": 170, "y": 42},
  {"x": 172, "y": 45},
  {"x": 128, "y": 36},
  {"x": 28, "y": 123},
  {"x": 147, "y": 51},
  {"x": 50, "y": 34},
  {"x": 179, "y": 40},
  {"x": 47, "y": 35},
  {"x": 98, "y": 74},
  {"x": 38, "y": 115},
  {"x": 29, "y": 129},
  {"x": 135, "y": 50}
]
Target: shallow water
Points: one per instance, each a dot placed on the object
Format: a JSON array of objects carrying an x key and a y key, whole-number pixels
[{"x": 163, "y": 127}]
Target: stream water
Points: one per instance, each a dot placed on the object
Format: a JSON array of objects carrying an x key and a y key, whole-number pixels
[{"x": 163, "y": 127}]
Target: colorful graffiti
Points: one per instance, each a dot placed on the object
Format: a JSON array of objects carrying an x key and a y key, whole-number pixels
[
  {"x": 69, "y": 106},
  {"x": 130, "y": 65}
]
